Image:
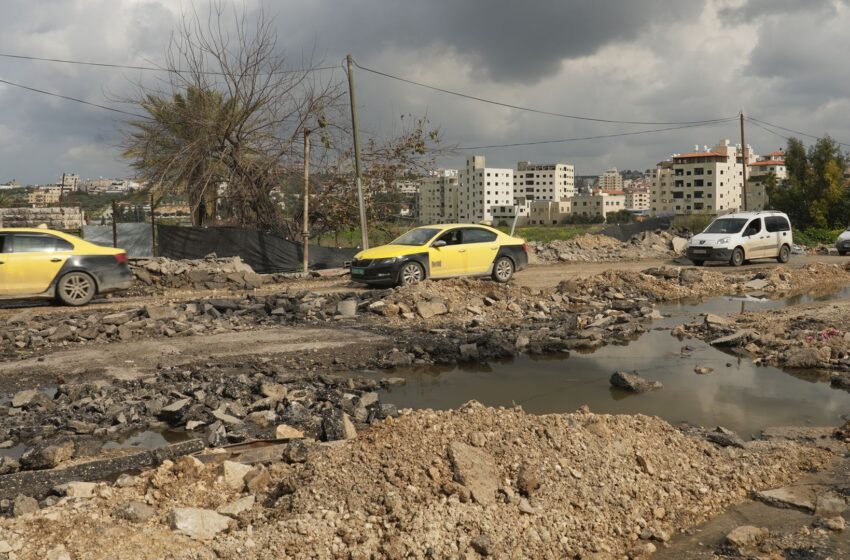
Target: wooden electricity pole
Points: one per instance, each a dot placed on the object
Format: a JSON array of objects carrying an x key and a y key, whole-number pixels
[
  {"x": 305, "y": 235},
  {"x": 153, "y": 227},
  {"x": 744, "y": 160},
  {"x": 114, "y": 223},
  {"x": 364, "y": 236}
]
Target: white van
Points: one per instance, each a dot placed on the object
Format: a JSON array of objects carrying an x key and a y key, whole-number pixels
[
  {"x": 737, "y": 238},
  {"x": 843, "y": 242}
]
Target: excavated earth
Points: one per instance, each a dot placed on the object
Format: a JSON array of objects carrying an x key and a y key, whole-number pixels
[{"x": 343, "y": 475}]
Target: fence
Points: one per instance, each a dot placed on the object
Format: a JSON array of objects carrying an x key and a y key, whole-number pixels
[{"x": 135, "y": 238}]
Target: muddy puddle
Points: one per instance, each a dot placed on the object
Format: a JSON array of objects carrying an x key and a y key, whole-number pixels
[{"x": 737, "y": 394}]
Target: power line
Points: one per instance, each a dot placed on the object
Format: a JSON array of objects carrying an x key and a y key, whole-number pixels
[
  {"x": 148, "y": 68},
  {"x": 599, "y": 137},
  {"x": 758, "y": 121},
  {"x": 60, "y": 96},
  {"x": 530, "y": 109}
]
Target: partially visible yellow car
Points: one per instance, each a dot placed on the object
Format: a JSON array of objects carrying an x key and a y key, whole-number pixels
[
  {"x": 42, "y": 263},
  {"x": 442, "y": 251}
]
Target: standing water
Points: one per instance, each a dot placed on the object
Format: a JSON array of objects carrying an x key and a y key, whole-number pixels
[{"x": 737, "y": 394}]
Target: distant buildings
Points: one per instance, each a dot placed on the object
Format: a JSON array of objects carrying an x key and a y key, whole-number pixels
[
  {"x": 68, "y": 183},
  {"x": 704, "y": 182},
  {"x": 598, "y": 203},
  {"x": 13, "y": 184},
  {"x": 481, "y": 189},
  {"x": 438, "y": 197},
  {"x": 44, "y": 196},
  {"x": 637, "y": 199},
  {"x": 550, "y": 181},
  {"x": 609, "y": 181}
]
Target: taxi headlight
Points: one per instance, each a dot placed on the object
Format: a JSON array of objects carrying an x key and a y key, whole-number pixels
[{"x": 390, "y": 260}]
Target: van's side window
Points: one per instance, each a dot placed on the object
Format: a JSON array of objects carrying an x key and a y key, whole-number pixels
[
  {"x": 753, "y": 227},
  {"x": 771, "y": 224}
]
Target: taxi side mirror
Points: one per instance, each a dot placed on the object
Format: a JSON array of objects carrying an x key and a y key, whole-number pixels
[{"x": 439, "y": 243}]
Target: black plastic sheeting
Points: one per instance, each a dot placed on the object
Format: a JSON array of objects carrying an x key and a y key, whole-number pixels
[
  {"x": 626, "y": 231},
  {"x": 265, "y": 252},
  {"x": 135, "y": 238}
]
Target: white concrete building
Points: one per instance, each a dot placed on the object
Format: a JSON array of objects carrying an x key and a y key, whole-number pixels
[
  {"x": 637, "y": 199},
  {"x": 438, "y": 198},
  {"x": 598, "y": 203},
  {"x": 703, "y": 182},
  {"x": 69, "y": 182},
  {"x": 481, "y": 188},
  {"x": 549, "y": 181},
  {"x": 550, "y": 212},
  {"x": 610, "y": 180}
]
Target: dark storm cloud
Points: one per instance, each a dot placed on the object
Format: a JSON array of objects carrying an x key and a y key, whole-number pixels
[
  {"x": 511, "y": 40},
  {"x": 752, "y": 10}
]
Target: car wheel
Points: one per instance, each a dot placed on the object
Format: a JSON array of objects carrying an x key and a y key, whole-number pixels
[
  {"x": 784, "y": 254},
  {"x": 503, "y": 269},
  {"x": 411, "y": 273},
  {"x": 737, "y": 258},
  {"x": 75, "y": 288},
  {"x": 842, "y": 253},
  {"x": 698, "y": 263}
]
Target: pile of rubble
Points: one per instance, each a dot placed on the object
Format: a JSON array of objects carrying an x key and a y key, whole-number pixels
[
  {"x": 602, "y": 248},
  {"x": 210, "y": 273},
  {"x": 218, "y": 405},
  {"x": 468, "y": 483}
]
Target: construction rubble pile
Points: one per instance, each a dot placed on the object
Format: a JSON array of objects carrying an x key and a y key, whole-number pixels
[
  {"x": 467, "y": 483},
  {"x": 602, "y": 248},
  {"x": 210, "y": 403},
  {"x": 210, "y": 273}
]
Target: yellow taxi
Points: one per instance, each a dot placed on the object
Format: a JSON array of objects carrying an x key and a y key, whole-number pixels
[
  {"x": 42, "y": 263},
  {"x": 442, "y": 251}
]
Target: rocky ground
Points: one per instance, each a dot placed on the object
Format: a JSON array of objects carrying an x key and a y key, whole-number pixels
[
  {"x": 601, "y": 248},
  {"x": 334, "y": 472},
  {"x": 468, "y": 483}
]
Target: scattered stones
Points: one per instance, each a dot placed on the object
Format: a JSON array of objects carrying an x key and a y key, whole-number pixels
[
  {"x": 24, "y": 505},
  {"x": 239, "y": 506},
  {"x": 476, "y": 470},
  {"x": 135, "y": 512},
  {"x": 234, "y": 474},
  {"x": 633, "y": 382},
  {"x": 788, "y": 497},
  {"x": 702, "y": 370},
  {"x": 196, "y": 523},
  {"x": 483, "y": 545},
  {"x": 746, "y": 536}
]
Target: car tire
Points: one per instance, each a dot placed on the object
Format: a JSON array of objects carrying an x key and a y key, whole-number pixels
[
  {"x": 76, "y": 288},
  {"x": 698, "y": 263},
  {"x": 842, "y": 253},
  {"x": 410, "y": 273},
  {"x": 784, "y": 254},
  {"x": 737, "y": 258},
  {"x": 503, "y": 270}
]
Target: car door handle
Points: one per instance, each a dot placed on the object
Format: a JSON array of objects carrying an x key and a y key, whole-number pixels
[{"x": 55, "y": 260}]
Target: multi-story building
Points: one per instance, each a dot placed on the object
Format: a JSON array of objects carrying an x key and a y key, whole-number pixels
[
  {"x": 438, "y": 197},
  {"x": 481, "y": 189},
  {"x": 598, "y": 203},
  {"x": 13, "y": 184},
  {"x": 637, "y": 199},
  {"x": 69, "y": 182},
  {"x": 44, "y": 196},
  {"x": 550, "y": 212},
  {"x": 610, "y": 180},
  {"x": 709, "y": 181},
  {"x": 549, "y": 181}
]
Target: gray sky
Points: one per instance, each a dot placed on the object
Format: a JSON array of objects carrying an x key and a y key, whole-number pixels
[{"x": 783, "y": 61}]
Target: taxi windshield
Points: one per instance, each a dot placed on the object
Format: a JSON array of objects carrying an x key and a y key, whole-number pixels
[{"x": 419, "y": 236}]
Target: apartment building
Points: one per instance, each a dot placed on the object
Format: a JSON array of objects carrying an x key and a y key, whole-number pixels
[
  {"x": 598, "y": 203},
  {"x": 708, "y": 181},
  {"x": 438, "y": 197},
  {"x": 69, "y": 182},
  {"x": 610, "y": 180},
  {"x": 482, "y": 188},
  {"x": 637, "y": 199},
  {"x": 44, "y": 196},
  {"x": 549, "y": 212},
  {"x": 547, "y": 181}
]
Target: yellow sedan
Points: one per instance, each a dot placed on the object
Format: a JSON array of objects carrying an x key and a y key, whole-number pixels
[
  {"x": 442, "y": 251},
  {"x": 42, "y": 263}
]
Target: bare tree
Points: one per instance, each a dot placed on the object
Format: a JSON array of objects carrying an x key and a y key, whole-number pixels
[{"x": 223, "y": 126}]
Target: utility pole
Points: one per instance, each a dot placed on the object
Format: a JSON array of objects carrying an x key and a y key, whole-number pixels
[
  {"x": 364, "y": 236},
  {"x": 744, "y": 160},
  {"x": 153, "y": 227},
  {"x": 305, "y": 237},
  {"x": 114, "y": 223}
]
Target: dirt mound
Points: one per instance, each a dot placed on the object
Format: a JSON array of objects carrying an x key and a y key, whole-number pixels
[
  {"x": 209, "y": 273},
  {"x": 464, "y": 483},
  {"x": 602, "y": 248}
]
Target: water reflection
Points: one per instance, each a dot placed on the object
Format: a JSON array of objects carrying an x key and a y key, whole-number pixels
[{"x": 737, "y": 394}]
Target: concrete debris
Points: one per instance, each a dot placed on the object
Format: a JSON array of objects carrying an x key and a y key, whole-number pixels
[
  {"x": 199, "y": 524},
  {"x": 602, "y": 248},
  {"x": 633, "y": 382}
]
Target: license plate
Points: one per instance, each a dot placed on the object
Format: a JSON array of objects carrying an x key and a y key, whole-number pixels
[
  {"x": 357, "y": 271},
  {"x": 699, "y": 251}
]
